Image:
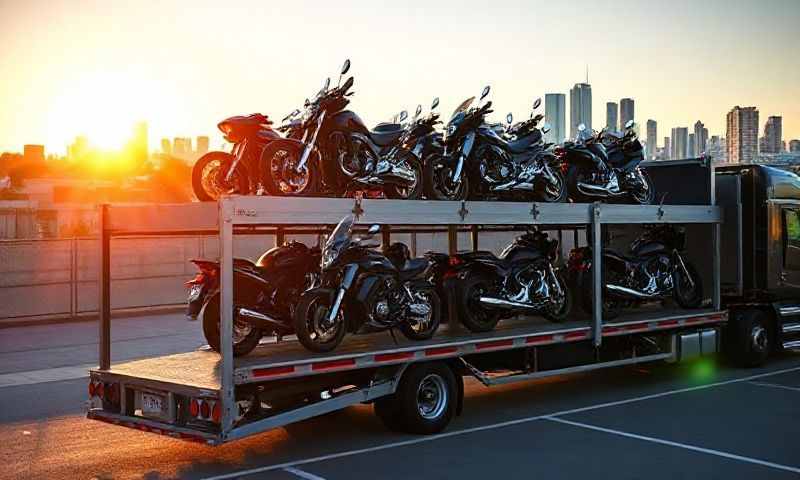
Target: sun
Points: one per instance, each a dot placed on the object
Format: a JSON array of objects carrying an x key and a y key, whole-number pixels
[{"x": 104, "y": 106}]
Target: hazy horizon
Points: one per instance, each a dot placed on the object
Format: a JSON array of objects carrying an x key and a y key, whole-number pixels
[{"x": 95, "y": 68}]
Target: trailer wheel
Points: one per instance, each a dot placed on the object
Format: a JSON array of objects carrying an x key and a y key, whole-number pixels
[
  {"x": 425, "y": 401},
  {"x": 748, "y": 338}
]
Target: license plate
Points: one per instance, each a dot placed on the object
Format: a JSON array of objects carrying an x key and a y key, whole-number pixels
[
  {"x": 194, "y": 293},
  {"x": 152, "y": 404}
]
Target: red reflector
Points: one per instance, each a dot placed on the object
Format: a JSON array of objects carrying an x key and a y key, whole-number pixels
[
  {"x": 205, "y": 410},
  {"x": 91, "y": 389},
  {"x": 432, "y": 352},
  {"x": 333, "y": 364},
  {"x": 574, "y": 335},
  {"x": 194, "y": 408},
  {"x": 388, "y": 357},
  {"x": 495, "y": 344},
  {"x": 197, "y": 279},
  {"x": 99, "y": 390},
  {"x": 267, "y": 372},
  {"x": 540, "y": 339},
  {"x": 216, "y": 413},
  {"x": 454, "y": 261}
]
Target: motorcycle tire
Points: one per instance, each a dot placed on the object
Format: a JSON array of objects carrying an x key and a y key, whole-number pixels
[
  {"x": 584, "y": 285},
  {"x": 273, "y": 166},
  {"x": 472, "y": 315},
  {"x": 433, "y": 325},
  {"x": 573, "y": 192},
  {"x": 433, "y": 190},
  {"x": 312, "y": 306},
  {"x": 210, "y": 314},
  {"x": 687, "y": 299},
  {"x": 553, "y": 197},
  {"x": 649, "y": 197},
  {"x": 563, "y": 313},
  {"x": 413, "y": 192},
  {"x": 202, "y": 179}
]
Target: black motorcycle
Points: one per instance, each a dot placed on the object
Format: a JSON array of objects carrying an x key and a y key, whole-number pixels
[
  {"x": 337, "y": 153},
  {"x": 606, "y": 166},
  {"x": 481, "y": 162},
  {"x": 363, "y": 290},
  {"x": 654, "y": 270},
  {"x": 264, "y": 294},
  {"x": 522, "y": 280}
]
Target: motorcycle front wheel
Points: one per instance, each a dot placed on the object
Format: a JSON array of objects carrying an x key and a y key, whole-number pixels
[
  {"x": 309, "y": 317},
  {"x": 438, "y": 183},
  {"x": 208, "y": 177},
  {"x": 280, "y": 176},
  {"x": 245, "y": 336},
  {"x": 558, "y": 312},
  {"x": 687, "y": 294},
  {"x": 423, "y": 328},
  {"x": 644, "y": 194}
]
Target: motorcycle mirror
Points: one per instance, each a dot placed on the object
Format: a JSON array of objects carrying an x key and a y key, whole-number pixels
[
  {"x": 509, "y": 118},
  {"x": 537, "y": 103},
  {"x": 435, "y": 103},
  {"x": 538, "y": 118},
  {"x": 628, "y": 124},
  {"x": 419, "y": 110},
  {"x": 581, "y": 127},
  {"x": 545, "y": 129},
  {"x": 403, "y": 116},
  {"x": 326, "y": 84},
  {"x": 346, "y": 66},
  {"x": 374, "y": 229},
  {"x": 485, "y": 92},
  {"x": 307, "y": 102}
]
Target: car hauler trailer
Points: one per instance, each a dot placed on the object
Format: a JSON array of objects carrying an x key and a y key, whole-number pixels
[{"x": 416, "y": 386}]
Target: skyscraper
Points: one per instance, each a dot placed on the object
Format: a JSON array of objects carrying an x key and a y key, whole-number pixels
[
  {"x": 580, "y": 107},
  {"x": 692, "y": 153},
  {"x": 612, "y": 112},
  {"x": 652, "y": 140},
  {"x": 773, "y": 135},
  {"x": 742, "y": 134},
  {"x": 202, "y": 145},
  {"x": 700, "y": 138},
  {"x": 626, "y": 111},
  {"x": 555, "y": 113},
  {"x": 794, "y": 146},
  {"x": 138, "y": 145},
  {"x": 166, "y": 146},
  {"x": 667, "y": 152},
  {"x": 679, "y": 143}
]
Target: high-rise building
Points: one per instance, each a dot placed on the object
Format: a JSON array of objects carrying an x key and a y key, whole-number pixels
[
  {"x": 555, "y": 113},
  {"x": 625, "y": 111},
  {"x": 652, "y": 140},
  {"x": 580, "y": 107},
  {"x": 612, "y": 112},
  {"x": 692, "y": 153},
  {"x": 79, "y": 148},
  {"x": 679, "y": 143},
  {"x": 794, "y": 146},
  {"x": 138, "y": 145},
  {"x": 166, "y": 146},
  {"x": 667, "y": 149},
  {"x": 742, "y": 134},
  {"x": 773, "y": 135},
  {"x": 202, "y": 145},
  {"x": 33, "y": 155},
  {"x": 700, "y": 138},
  {"x": 181, "y": 146}
]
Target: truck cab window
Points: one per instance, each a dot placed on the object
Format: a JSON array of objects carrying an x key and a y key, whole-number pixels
[{"x": 791, "y": 225}]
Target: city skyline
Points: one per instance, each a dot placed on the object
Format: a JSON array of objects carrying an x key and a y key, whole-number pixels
[{"x": 182, "y": 81}]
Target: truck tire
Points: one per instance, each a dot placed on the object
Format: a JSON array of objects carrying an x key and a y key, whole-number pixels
[
  {"x": 748, "y": 341},
  {"x": 425, "y": 401}
]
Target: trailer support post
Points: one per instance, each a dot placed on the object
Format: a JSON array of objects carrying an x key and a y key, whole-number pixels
[
  {"x": 716, "y": 299},
  {"x": 226, "y": 314},
  {"x": 280, "y": 236},
  {"x": 104, "y": 297},
  {"x": 386, "y": 237},
  {"x": 597, "y": 276},
  {"x": 452, "y": 239},
  {"x": 474, "y": 238}
]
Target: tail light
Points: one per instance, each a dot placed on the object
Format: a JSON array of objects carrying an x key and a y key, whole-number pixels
[
  {"x": 455, "y": 261},
  {"x": 216, "y": 413},
  {"x": 199, "y": 278},
  {"x": 205, "y": 410},
  {"x": 194, "y": 408}
]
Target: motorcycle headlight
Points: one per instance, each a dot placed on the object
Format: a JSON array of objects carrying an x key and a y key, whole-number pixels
[
  {"x": 451, "y": 129},
  {"x": 329, "y": 256}
]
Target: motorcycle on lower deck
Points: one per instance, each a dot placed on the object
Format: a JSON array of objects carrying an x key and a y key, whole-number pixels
[
  {"x": 337, "y": 152},
  {"x": 480, "y": 163},
  {"x": 605, "y": 167},
  {"x": 654, "y": 270},
  {"x": 523, "y": 280},
  {"x": 264, "y": 294},
  {"x": 363, "y": 290}
]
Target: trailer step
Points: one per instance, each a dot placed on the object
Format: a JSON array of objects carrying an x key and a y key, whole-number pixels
[
  {"x": 792, "y": 345},
  {"x": 791, "y": 327}
]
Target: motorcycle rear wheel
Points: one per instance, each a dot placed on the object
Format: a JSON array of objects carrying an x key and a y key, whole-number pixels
[
  {"x": 245, "y": 336},
  {"x": 313, "y": 307},
  {"x": 646, "y": 196},
  {"x": 278, "y": 161},
  {"x": 411, "y": 192},
  {"x": 553, "y": 193},
  {"x": 585, "y": 286},
  {"x": 475, "y": 317},
  {"x": 208, "y": 177},
  {"x": 413, "y": 332}
]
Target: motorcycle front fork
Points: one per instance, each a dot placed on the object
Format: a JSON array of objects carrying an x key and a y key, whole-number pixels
[
  {"x": 462, "y": 156},
  {"x": 684, "y": 269}
]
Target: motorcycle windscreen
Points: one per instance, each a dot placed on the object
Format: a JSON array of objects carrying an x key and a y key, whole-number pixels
[
  {"x": 464, "y": 105},
  {"x": 341, "y": 233}
]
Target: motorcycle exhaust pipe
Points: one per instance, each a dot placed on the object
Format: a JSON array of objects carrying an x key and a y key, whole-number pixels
[
  {"x": 260, "y": 317},
  {"x": 625, "y": 291},
  {"x": 494, "y": 302}
]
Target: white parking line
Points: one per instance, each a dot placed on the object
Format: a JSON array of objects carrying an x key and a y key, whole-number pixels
[
  {"x": 775, "y": 385},
  {"x": 302, "y": 474},
  {"x": 684, "y": 446},
  {"x": 57, "y": 374},
  {"x": 454, "y": 433}
]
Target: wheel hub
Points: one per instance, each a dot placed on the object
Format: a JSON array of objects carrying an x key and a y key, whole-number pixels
[
  {"x": 758, "y": 338},
  {"x": 432, "y": 397}
]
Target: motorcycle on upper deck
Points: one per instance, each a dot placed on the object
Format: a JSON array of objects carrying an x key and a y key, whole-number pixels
[
  {"x": 337, "y": 153},
  {"x": 605, "y": 166},
  {"x": 480, "y": 163}
]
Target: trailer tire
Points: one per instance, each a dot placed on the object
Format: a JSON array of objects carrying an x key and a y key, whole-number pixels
[
  {"x": 425, "y": 401},
  {"x": 749, "y": 341}
]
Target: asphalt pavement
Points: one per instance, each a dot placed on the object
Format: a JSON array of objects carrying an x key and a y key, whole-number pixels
[{"x": 701, "y": 420}]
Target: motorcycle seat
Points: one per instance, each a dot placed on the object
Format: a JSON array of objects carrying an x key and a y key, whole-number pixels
[
  {"x": 385, "y": 136},
  {"x": 413, "y": 267},
  {"x": 522, "y": 144}
]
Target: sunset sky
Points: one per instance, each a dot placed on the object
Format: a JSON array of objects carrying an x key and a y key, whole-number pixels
[{"x": 96, "y": 67}]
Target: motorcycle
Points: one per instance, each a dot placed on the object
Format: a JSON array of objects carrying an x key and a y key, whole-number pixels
[
  {"x": 522, "y": 280},
  {"x": 654, "y": 270},
  {"x": 363, "y": 290},
  {"x": 483, "y": 163},
  {"x": 606, "y": 166},
  {"x": 264, "y": 294},
  {"x": 337, "y": 152}
]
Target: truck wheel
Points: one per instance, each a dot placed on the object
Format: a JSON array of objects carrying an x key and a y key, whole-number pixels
[
  {"x": 749, "y": 341},
  {"x": 425, "y": 400},
  {"x": 245, "y": 336}
]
